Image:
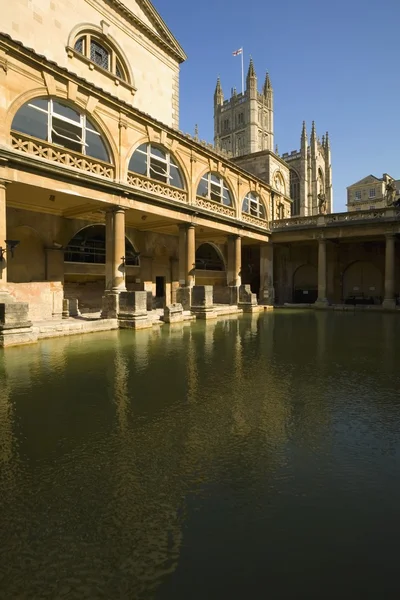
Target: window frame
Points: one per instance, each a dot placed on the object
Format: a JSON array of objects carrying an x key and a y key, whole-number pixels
[
  {"x": 372, "y": 193},
  {"x": 221, "y": 185},
  {"x": 357, "y": 195},
  {"x": 115, "y": 60},
  {"x": 168, "y": 160},
  {"x": 81, "y": 124},
  {"x": 255, "y": 206}
]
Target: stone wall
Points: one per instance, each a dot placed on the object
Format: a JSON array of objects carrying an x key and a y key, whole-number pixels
[{"x": 45, "y": 298}]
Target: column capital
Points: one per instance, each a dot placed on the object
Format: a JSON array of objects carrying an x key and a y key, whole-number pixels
[
  {"x": 4, "y": 182},
  {"x": 186, "y": 226},
  {"x": 390, "y": 235}
]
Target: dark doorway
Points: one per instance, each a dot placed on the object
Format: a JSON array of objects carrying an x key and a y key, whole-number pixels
[{"x": 160, "y": 291}]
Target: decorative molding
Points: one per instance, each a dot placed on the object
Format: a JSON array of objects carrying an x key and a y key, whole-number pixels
[
  {"x": 254, "y": 221},
  {"x": 72, "y": 90},
  {"x": 3, "y": 61},
  {"x": 43, "y": 149},
  {"x": 50, "y": 83},
  {"x": 157, "y": 188},
  {"x": 214, "y": 207},
  {"x": 91, "y": 104}
]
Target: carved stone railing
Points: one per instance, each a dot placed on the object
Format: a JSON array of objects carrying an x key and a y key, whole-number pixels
[
  {"x": 157, "y": 188},
  {"x": 350, "y": 218},
  {"x": 295, "y": 222},
  {"x": 214, "y": 207},
  {"x": 42, "y": 149},
  {"x": 254, "y": 221}
]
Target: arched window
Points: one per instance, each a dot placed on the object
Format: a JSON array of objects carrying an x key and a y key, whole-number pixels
[
  {"x": 100, "y": 52},
  {"x": 155, "y": 162},
  {"x": 89, "y": 246},
  {"x": 58, "y": 123},
  {"x": 253, "y": 206},
  {"x": 295, "y": 192},
  {"x": 213, "y": 187},
  {"x": 207, "y": 258}
]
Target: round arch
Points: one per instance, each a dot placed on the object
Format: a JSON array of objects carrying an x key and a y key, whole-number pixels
[
  {"x": 77, "y": 105},
  {"x": 362, "y": 282},
  {"x": 175, "y": 156},
  {"x": 209, "y": 257},
  {"x": 305, "y": 284},
  {"x": 261, "y": 202},
  {"x": 82, "y": 28},
  {"x": 88, "y": 245},
  {"x": 226, "y": 181},
  {"x": 279, "y": 182}
]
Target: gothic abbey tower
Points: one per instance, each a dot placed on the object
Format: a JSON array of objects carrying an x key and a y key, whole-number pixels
[{"x": 244, "y": 128}]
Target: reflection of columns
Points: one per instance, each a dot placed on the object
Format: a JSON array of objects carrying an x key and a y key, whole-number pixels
[
  {"x": 234, "y": 260},
  {"x": 186, "y": 255},
  {"x": 267, "y": 274},
  {"x": 322, "y": 299},
  {"x": 3, "y": 231},
  {"x": 115, "y": 250},
  {"x": 389, "y": 301}
]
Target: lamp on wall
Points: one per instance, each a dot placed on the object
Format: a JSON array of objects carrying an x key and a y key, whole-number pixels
[{"x": 10, "y": 246}]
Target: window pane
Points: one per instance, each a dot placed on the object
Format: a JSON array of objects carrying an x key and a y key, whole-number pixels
[
  {"x": 95, "y": 147},
  {"x": 118, "y": 70},
  {"x": 31, "y": 121},
  {"x": 157, "y": 152},
  {"x": 245, "y": 205},
  {"x": 158, "y": 170},
  {"x": 215, "y": 193},
  {"x": 176, "y": 179},
  {"x": 226, "y": 198},
  {"x": 99, "y": 55},
  {"x": 202, "y": 190},
  {"x": 80, "y": 45},
  {"x": 66, "y": 135},
  {"x": 42, "y": 103},
  {"x": 65, "y": 111},
  {"x": 215, "y": 178},
  {"x": 262, "y": 211},
  {"x": 138, "y": 162}
]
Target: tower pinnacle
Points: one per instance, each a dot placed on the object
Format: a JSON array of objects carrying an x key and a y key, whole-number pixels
[{"x": 267, "y": 84}]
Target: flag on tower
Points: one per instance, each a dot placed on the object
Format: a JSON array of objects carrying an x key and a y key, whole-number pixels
[{"x": 237, "y": 52}]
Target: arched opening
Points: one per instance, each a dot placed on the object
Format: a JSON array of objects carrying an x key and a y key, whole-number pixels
[
  {"x": 61, "y": 124},
  {"x": 156, "y": 163},
  {"x": 213, "y": 187},
  {"x": 295, "y": 192},
  {"x": 89, "y": 246},
  {"x": 252, "y": 205},
  {"x": 208, "y": 258},
  {"x": 305, "y": 284},
  {"x": 97, "y": 49},
  {"x": 362, "y": 283}
]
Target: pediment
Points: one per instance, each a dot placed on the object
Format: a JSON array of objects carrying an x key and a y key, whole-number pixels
[
  {"x": 366, "y": 180},
  {"x": 143, "y": 11}
]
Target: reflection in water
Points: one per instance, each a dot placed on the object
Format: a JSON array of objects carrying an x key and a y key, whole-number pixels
[{"x": 203, "y": 461}]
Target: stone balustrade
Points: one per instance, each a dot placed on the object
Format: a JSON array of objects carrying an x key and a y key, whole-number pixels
[{"x": 345, "y": 218}]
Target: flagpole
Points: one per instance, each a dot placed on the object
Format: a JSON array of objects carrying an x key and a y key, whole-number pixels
[{"x": 242, "y": 74}]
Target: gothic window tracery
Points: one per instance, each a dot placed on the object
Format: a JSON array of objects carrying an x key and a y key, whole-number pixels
[
  {"x": 156, "y": 163},
  {"x": 295, "y": 192},
  {"x": 213, "y": 187},
  {"x": 252, "y": 205},
  {"x": 61, "y": 124}
]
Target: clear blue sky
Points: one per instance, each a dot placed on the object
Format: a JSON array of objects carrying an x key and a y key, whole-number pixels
[{"x": 334, "y": 62}]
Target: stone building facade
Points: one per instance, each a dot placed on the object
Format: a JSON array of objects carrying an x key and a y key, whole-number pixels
[
  {"x": 372, "y": 192},
  {"x": 98, "y": 186},
  {"x": 244, "y": 128}
]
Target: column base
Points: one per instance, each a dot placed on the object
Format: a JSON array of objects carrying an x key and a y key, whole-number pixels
[
  {"x": 204, "y": 313},
  {"x": 110, "y": 306},
  {"x": 184, "y": 297},
  {"x": 173, "y": 313},
  {"x": 17, "y": 336},
  {"x": 389, "y": 304},
  {"x": 321, "y": 303},
  {"x": 267, "y": 297}
]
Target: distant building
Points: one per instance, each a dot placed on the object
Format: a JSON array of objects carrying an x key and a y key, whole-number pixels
[
  {"x": 244, "y": 128},
  {"x": 370, "y": 192}
]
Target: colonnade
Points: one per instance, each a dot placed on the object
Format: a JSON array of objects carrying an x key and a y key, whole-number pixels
[{"x": 389, "y": 284}]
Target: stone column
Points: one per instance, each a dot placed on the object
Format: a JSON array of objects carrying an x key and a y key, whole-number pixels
[
  {"x": 3, "y": 232},
  {"x": 115, "y": 269},
  {"x": 190, "y": 256},
  {"x": 267, "y": 293},
  {"x": 234, "y": 260},
  {"x": 389, "y": 301},
  {"x": 322, "y": 299},
  {"x": 182, "y": 254},
  {"x": 118, "y": 268}
]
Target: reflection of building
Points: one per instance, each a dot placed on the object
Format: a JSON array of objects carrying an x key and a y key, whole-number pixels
[
  {"x": 371, "y": 192},
  {"x": 244, "y": 128}
]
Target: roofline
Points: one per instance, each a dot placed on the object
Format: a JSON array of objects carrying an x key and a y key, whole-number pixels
[
  {"x": 174, "y": 47},
  {"x": 127, "y": 108}
]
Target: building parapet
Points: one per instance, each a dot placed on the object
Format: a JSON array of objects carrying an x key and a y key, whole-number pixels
[{"x": 332, "y": 219}]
